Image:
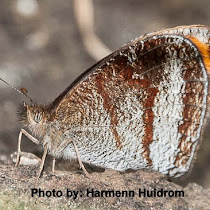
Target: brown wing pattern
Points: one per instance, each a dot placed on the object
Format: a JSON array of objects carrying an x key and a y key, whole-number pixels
[{"x": 142, "y": 106}]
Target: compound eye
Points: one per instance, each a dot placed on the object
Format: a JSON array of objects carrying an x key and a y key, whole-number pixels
[{"x": 37, "y": 117}]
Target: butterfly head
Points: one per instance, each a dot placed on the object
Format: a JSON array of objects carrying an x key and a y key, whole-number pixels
[{"x": 33, "y": 116}]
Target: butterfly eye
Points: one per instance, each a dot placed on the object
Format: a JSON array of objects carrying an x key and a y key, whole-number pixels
[{"x": 37, "y": 117}]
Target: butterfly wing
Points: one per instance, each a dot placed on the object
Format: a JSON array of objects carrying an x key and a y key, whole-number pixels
[{"x": 143, "y": 106}]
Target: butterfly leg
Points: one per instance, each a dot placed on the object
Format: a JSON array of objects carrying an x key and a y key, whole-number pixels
[
  {"x": 53, "y": 166},
  {"x": 63, "y": 145},
  {"x": 80, "y": 161},
  {"x": 42, "y": 163},
  {"x": 22, "y": 131}
]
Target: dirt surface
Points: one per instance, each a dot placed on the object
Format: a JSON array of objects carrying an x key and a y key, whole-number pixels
[
  {"x": 47, "y": 66},
  {"x": 60, "y": 192}
]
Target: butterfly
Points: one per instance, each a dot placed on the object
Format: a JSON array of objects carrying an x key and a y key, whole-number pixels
[{"x": 143, "y": 106}]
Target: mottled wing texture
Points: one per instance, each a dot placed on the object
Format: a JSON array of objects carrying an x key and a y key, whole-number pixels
[{"x": 144, "y": 105}]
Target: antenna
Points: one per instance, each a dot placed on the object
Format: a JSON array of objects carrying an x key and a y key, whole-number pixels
[{"x": 21, "y": 92}]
